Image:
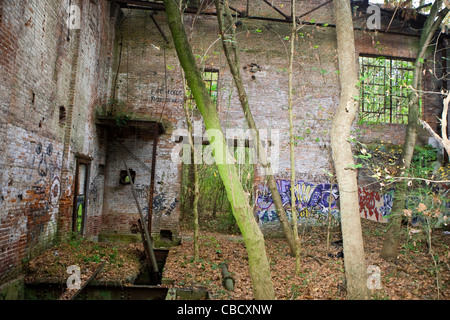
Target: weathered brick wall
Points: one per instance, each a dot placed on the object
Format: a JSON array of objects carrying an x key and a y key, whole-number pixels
[
  {"x": 89, "y": 88},
  {"x": 141, "y": 80},
  {"x": 41, "y": 70},
  {"x": 39, "y": 73},
  {"x": 149, "y": 80}
]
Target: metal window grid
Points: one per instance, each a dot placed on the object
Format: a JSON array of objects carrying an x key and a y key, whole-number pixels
[
  {"x": 385, "y": 93},
  {"x": 211, "y": 79}
]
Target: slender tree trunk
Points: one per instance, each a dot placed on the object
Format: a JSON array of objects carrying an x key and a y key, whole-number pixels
[
  {"x": 195, "y": 171},
  {"x": 291, "y": 141},
  {"x": 443, "y": 141},
  {"x": 214, "y": 212},
  {"x": 195, "y": 209},
  {"x": 355, "y": 265},
  {"x": 254, "y": 241},
  {"x": 391, "y": 243},
  {"x": 231, "y": 53}
]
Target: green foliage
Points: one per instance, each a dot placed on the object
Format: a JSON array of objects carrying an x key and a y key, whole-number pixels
[
  {"x": 214, "y": 209},
  {"x": 75, "y": 240},
  {"x": 382, "y": 160},
  {"x": 227, "y": 223},
  {"x": 304, "y": 133},
  {"x": 211, "y": 80},
  {"x": 97, "y": 258},
  {"x": 88, "y": 251},
  {"x": 213, "y": 243},
  {"x": 426, "y": 202},
  {"x": 423, "y": 161},
  {"x": 384, "y": 90}
]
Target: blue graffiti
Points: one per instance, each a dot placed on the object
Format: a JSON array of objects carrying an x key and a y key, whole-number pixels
[{"x": 311, "y": 201}]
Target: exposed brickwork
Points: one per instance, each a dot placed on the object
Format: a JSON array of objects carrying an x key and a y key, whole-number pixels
[
  {"x": 148, "y": 64},
  {"x": 43, "y": 72},
  {"x": 40, "y": 71}
]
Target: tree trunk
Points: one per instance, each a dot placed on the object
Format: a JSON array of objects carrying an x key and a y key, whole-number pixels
[
  {"x": 214, "y": 212},
  {"x": 195, "y": 171},
  {"x": 391, "y": 243},
  {"x": 254, "y": 241},
  {"x": 231, "y": 53},
  {"x": 354, "y": 262},
  {"x": 195, "y": 205},
  {"x": 291, "y": 142}
]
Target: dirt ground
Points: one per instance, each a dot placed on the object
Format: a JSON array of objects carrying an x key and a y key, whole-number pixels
[
  {"x": 414, "y": 276},
  {"x": 322, "y": 274},
  {"x": 114, "y": 263}
]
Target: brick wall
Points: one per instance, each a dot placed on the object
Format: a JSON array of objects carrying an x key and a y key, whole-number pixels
[
  {"x": 40, "y": 72},
  {"x": 149, "y": 80},
  {"x": 52, "y": 87}
]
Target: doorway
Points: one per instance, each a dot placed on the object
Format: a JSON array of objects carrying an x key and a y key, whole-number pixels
[{"x": 81, "y": 187}]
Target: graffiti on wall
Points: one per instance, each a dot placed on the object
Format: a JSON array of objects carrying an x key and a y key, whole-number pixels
[
  {"x": 312, "y": 201},
  {"x": 161, "y": 206},
  {"x": 315, "y": 201},
  {"x": 374, "y": 205},
  {"x": 44, "y": 175},
  {"x": 161, "y": 95},
  {"x": 31, "y": 191},
  {"x": 45, "y": 170}
]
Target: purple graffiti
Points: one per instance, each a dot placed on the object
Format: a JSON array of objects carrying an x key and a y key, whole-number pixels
[
  {"x": 311, "y": 201},
  {"x": 316, "y": 201}
]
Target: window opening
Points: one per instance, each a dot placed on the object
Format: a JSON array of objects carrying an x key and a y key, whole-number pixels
[{"x": 385, "y": 89}]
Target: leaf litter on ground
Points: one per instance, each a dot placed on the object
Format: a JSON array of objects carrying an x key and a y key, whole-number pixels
[
  {"x": 322, "y": 276},
  {"x": 122, "y": 263}
]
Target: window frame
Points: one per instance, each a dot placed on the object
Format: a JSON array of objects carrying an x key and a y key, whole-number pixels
[
  {"x": 387, "y": 113},
  {"x": 215, "y": 99}
]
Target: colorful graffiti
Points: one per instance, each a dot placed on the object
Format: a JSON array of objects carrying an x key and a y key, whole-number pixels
[
  {"x": 374, "y": 205},
  {"x": 315, "y": 201}
]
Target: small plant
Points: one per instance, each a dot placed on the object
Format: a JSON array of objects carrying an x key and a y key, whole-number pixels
[
  {"x": 74, "y": 240},
  {"x": 214, "y": 243},
  {"x": 94, "y": 258},
  {"x": 113, "y": 256},
  {"x": 295, "y": 291},
  {"x": 118, "y": 110}
]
